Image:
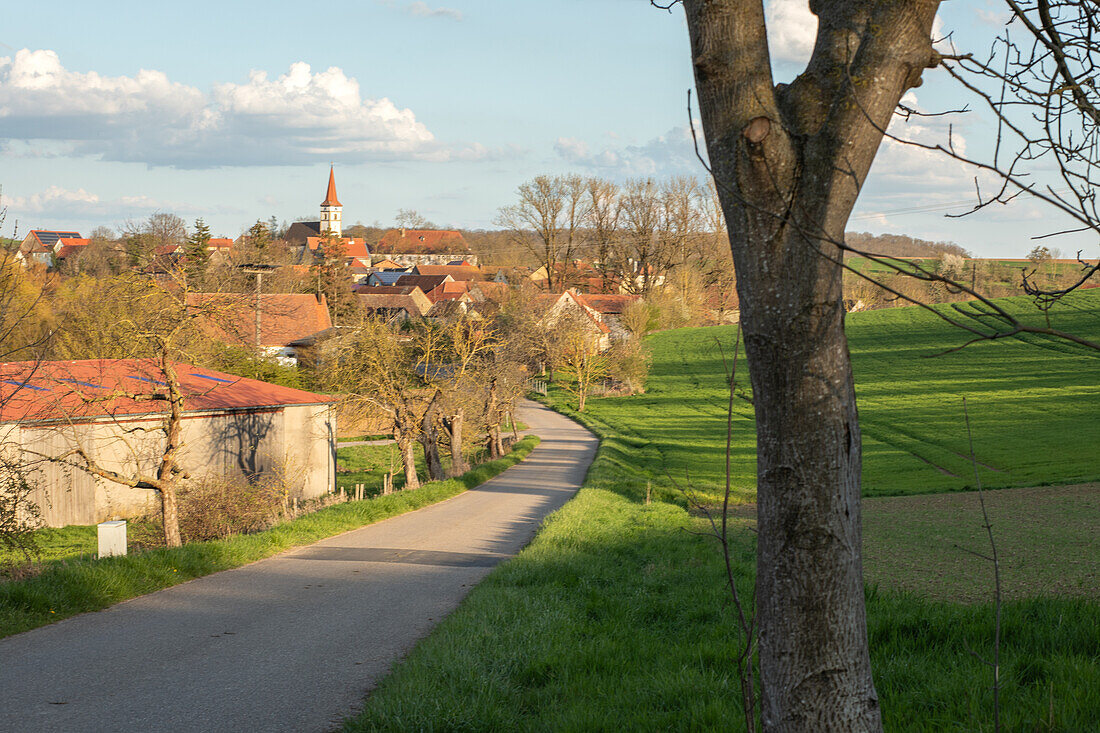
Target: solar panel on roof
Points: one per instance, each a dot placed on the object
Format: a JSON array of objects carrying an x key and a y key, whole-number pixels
[
  {"x": 24, "y": 384},
  {"x": 214, "y": 379},
  {"x": 146, "y": 379},
  {"x": 77, "y": 381}
]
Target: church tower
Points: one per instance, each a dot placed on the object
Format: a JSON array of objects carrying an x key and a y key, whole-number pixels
[{"x": 331, "y": 209}]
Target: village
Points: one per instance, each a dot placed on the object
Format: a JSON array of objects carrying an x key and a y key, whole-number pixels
[{"x": 447, "y": 367}]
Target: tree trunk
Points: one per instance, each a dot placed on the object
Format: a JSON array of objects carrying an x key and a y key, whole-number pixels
[
  {"x": 404, "y": 439},
  {"x": 429, "y": 439},
  {"x": 408, "y": 462},
  {"x": 169, "y": 511},
  {"x": 492, "y": 417},
  {"x": 167, "y": 470},
  {"x": 789, "y": 161},
  {"x": 458, "y": 461}
]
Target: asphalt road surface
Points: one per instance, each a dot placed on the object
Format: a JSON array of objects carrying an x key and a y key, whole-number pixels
[{"x": 294, "y": 642}]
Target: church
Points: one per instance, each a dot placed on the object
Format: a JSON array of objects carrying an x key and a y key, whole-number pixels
[{"x": 308, "y": 234}]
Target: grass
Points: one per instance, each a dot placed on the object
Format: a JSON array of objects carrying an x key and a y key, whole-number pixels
[
  {"x": 68, "y": 587},
  {"x": 1046, "y": 539},
  {"x": 614, "y": 617},
  {"x": 1032, "y": 404},
  {"x": 355, "y": 438}
]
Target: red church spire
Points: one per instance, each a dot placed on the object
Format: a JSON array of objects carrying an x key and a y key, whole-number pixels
[{"x": 330, "y": 197}]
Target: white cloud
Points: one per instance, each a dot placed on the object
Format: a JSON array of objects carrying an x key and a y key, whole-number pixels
[
  {"x": 299, "y": 117},
  {"x": 670, "y": 154},
  {"x": 792, "y": 29},
  {"x": 58, "y": 204},
  {"x": 52, "y": 198},
  {"x": 423, "y": 10}
]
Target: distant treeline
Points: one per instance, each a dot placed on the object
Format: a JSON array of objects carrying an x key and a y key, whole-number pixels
[{"x": 900, "y": 245}]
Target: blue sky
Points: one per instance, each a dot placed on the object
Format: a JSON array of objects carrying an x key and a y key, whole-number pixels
[{"x": 233, "y": 111}]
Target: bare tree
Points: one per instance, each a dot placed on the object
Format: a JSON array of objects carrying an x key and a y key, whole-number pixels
[
  {"x": 604, "y": 209},
  {"x": 374, "y": 369},
  {"x": 133, "y": 318},
  {"x": 549, "y": 218}
]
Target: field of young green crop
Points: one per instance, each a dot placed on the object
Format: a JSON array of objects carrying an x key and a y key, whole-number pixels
[
  {"x": 614, "y": 618},
  {"x": 1032, "y": 403}
]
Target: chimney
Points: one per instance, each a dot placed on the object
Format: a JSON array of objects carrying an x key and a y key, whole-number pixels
[{"x": 402, "y": 232}]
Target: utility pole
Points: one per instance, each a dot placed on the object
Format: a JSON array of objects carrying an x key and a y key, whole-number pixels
[{"x": 258, "y": 271}]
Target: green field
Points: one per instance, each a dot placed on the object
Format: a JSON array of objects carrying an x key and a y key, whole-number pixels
[
  {"x": 614, "y": 618},
  {"x": 1032, "y": 404}
]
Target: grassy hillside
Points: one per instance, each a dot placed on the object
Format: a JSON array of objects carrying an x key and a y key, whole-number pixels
[
  {"x": 614, "y": 618},
  {"x": 1032, "y": 404}
]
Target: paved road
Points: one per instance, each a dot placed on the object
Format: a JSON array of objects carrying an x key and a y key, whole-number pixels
[{"x": 291, "y": 643}]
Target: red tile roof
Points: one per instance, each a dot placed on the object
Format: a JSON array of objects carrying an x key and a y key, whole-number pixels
[
  {"x": 608, "y": 304},
  {"x": 219, "y": 243},
  {"x": 71, "y": 247},
  {"x": 96, "y": 388},
  {"x": 330, "y": 195},
  {"x": 284, "y": 317},
  {"x": 353, "y": 246},
  {"x": 421, "y": 241},
  {"x": 458, "y": 272}
]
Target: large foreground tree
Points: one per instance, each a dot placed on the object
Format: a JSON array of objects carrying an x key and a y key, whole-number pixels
[{"x": 789, "y": 161}]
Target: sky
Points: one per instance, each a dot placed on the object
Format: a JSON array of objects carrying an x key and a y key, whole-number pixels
[{"x": 233, "y": 112}]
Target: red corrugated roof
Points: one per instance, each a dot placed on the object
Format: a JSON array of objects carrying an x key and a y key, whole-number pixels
[
  {"x": 284, "y": 317},
  {"x": 75, "y": 390},
  {"x": 330, "y": 195}
]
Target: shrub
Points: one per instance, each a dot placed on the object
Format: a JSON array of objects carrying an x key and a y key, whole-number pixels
[
  {"x": 19, "y": 516},
  {"x": 216, "y": 507}
]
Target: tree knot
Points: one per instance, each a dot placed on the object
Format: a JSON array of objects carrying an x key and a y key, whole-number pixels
[{"x": 757, "y": 129}]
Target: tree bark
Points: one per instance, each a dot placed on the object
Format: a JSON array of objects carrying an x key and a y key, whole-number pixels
[
  {"x": 789, "y": 162},
  {"x": 454, "y": 428},
  {"x": 492, "y": 417},
  {"x": 166, "y": 472},
  {"x": 404, "y": 438},
  {"x": 429, "y": 439}
]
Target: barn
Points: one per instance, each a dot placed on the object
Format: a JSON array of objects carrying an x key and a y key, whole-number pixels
[{"x": 115, "y": 410}]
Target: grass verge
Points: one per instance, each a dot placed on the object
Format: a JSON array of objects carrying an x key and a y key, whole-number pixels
[
  {"x": 615, "y": 618},
  {"x": 69, "y": 587}
]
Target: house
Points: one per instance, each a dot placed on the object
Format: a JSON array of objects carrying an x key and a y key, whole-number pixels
[
  {"x": 71, "y": 247},
  {"x": 387, "y": 277},
  {"x": 406, "y": 304},
  {"x": 448, "y": 309},
  {"x": 279, "y": 328},
  {"x": 609, "y": 309},
  {"x": 387, "y": 264},
  {"x": 558, "y": 306},
  {"x": 230, "y": 425},
  {"x": 428, "y": 283},
  {"x": 41, "y": 245},
  {"x": 409, "y": 247}
]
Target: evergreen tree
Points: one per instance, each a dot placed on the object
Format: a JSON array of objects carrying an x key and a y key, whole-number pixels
[
  {"x": 196, "y": 254},
  {"x": 259, "y": 240},
  {"x": 330, "y": 269}
]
